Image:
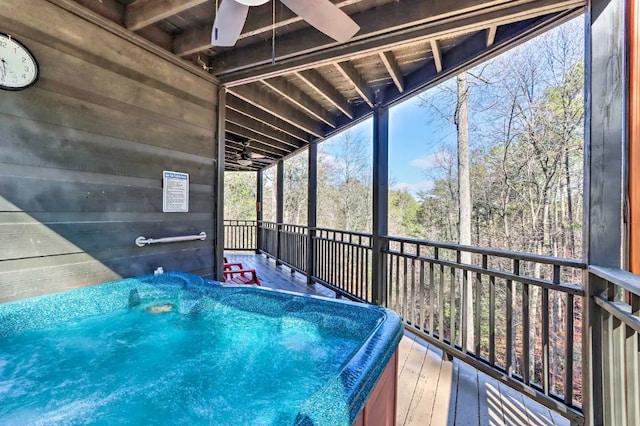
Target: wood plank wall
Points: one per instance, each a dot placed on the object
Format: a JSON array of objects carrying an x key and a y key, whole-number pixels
[{"x": 82, "y": 154}]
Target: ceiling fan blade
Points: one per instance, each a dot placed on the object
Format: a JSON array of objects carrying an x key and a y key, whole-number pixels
[
  {"x": 326, "y": 17},
  {"x": 229, "y": 22},
  {"x": 257, "y": 156}
]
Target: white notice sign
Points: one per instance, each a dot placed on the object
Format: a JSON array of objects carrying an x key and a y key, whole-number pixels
[{"x": 175, "y": 192}]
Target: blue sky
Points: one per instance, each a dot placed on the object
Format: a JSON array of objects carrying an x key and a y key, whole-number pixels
[{"x": 415, "y": 141}]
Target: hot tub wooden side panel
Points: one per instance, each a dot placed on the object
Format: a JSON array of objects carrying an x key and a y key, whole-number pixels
[{"x": 380, "y": 409}]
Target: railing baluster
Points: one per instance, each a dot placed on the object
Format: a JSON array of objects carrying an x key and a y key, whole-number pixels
[
  {"x": 432, "y": 302},
  {"x": 492, "y": 320},
  {"x": 568, "y": 352},
  {"x": 526, "y": 330},
  {"x": 464, "y": 291},
  {"x": 452, "y": 303},
  {"x": 510, "y": 291},
  {"x": 367, "y": 285},
  {"x": 405, "y": 297},
  {"x": 397, "y": 279},
  {"x": 423, "y": 296},
  {"x": 545, "y": 331},
  {"x": 441, "y": 298},
  {"x": 413, "y": 294},
  {"x": 478, "y": 310}
]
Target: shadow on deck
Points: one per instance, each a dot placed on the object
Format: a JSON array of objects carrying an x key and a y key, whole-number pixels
[{"x": 431, "y": 391}]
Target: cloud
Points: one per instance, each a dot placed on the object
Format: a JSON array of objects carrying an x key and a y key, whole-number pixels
[
  {"x": 413, "y": 188},
  {"x": 431, "y": 161}
]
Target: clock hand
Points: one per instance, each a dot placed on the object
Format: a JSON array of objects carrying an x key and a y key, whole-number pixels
[{"x": 4, "y": 68}]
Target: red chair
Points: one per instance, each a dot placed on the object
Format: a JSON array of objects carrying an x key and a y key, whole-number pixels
[
  {"x": 241, "y": 276},
  {"x": 234, "y": 273}
]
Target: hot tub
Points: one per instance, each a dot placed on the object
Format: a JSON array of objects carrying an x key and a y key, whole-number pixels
[{"x": 178, "y": 349}]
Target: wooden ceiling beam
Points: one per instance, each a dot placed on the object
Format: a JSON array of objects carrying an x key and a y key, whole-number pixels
[
  {"x": 109, "y": 9},
  {"x": 491, "y": 35},
  {"x": 300, "y": 99},
  {"x": 235, "y": 147},
  {"x": 245, "y": 121},
  {"x": 350, "y": 72},
  {"x": 304, "y": 49},
  {"x": 141, "y": 13},
  {"x": 262, "y": 116},
  {"x": 260, "y": 98},
  {"x": 437, "y": 55},
  {"x": 391, "y": 64},
  {"x": 325, "y": 89},
  {"x": 259, "y": 21},
  {"x": 255, "y": 136},
  {"x": 232, "y": 166}
]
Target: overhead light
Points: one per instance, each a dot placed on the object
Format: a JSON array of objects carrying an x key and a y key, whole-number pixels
[{"x": 244, "y": 162}]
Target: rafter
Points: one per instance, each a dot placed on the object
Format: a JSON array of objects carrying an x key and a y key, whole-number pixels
[
  {"x": 234, "y": 167},
  {"x": 300, "y": 99},
  {"x": 234, "y": 147},
  {"x": 259, "y": 21},
  {"x": 109, "y": 9},
  {"x": 325, "y": 89},
  {"x": 274, "y": 106},
  {"x": 437, "y": 56},
  {"x": 351, "y": 73},
  {"x": 491, "y": 35},
  {"x": 304, "y": 49},
  {"x": 247, "y": 122},
  {"x": 390, "y": 63},
  {"x": 141, "y": 13},
  {"x": 262, "y": 116},
  {"x": 255, "y": 136},
  {"x": 459, "y": 58}
]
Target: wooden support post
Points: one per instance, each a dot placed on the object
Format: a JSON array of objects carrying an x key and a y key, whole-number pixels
[
  {"x": 380, "y": 203},
  {"x": 279, "y": 207},
  {"x": 218, "y": 218},
  {"x": 634, "y": 135},
  {"x": 312, "y": 210},
  {"x": 259, "y": 198},
  {"x": 605, "y": 143}
]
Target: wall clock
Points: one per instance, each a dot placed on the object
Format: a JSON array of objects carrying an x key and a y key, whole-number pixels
[{"x": 18, "y": 67}]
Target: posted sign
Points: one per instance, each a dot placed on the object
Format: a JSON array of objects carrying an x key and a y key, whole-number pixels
[{"x": 175, "y": 192}]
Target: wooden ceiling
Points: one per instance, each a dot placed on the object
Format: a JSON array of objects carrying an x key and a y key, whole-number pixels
[{"x": 307, "y": 87}]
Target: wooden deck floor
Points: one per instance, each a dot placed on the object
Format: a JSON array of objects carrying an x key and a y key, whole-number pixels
[{"x": 431, "y": 391}]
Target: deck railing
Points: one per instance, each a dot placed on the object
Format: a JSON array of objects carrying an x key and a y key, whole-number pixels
[
  {"x": 615, "y": 320},
  {"x": 240, "y": 235},
  {"x": 343, "y": 262},
  {"x": 511, "y": 315},
  {"x": 516, "y": 316}
]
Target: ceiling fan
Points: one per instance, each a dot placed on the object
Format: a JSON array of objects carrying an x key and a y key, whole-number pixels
[
  {"x": 321, "y": 14},
  {"x": 246, "y": 157}
]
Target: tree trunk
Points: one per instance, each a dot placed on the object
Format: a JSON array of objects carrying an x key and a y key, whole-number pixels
[{"x": 464, "y": 193}]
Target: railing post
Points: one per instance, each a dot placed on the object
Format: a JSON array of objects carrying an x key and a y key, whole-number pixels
[
  {"x": 312, "y": 209},
  {"x": 218, "y": 214},
  {"x": 259, "y": 197},
  {"x": 380, "y": 202},
  {"x": 279, "y": 207},
  {"x": 606, "y": 122}
]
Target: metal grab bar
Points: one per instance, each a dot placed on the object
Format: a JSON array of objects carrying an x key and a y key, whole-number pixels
[{"x": 143, "y": 241}]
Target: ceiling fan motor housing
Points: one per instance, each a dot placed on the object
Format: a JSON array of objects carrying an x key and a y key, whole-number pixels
[{"x": 252, "y": 2}]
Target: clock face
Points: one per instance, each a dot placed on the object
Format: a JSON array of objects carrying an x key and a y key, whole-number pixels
[{"x": 18, "y": 67}]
